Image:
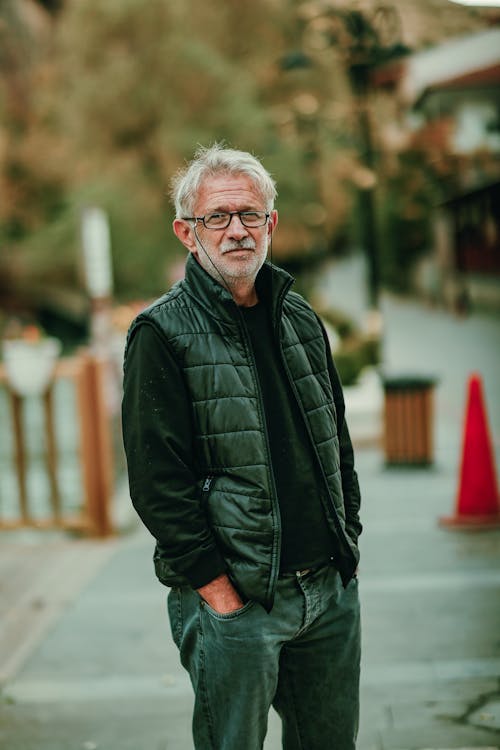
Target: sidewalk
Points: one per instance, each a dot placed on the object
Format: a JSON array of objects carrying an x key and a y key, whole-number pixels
[{"x": 101, "y": 672}]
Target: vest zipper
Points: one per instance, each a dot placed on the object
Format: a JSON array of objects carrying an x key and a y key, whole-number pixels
[{"x": 205, "y": 490}]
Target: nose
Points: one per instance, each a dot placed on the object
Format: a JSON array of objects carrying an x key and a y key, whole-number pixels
[{"x": 236, "y": 228}]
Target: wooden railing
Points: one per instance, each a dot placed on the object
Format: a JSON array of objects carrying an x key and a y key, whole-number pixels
[{"x": 87, "y": 375}]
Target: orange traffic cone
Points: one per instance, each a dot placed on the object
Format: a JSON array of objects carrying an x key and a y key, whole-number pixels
[{"x": 478, "y": 502}]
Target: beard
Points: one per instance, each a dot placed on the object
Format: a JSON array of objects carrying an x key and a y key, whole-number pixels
[{"x": 221, "y": 264}]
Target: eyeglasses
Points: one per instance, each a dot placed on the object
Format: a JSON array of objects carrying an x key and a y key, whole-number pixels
[{"x": 222, "y": 220}]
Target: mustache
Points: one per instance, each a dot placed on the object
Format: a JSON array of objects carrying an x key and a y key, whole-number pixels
[{"x": 246, "y": 243}]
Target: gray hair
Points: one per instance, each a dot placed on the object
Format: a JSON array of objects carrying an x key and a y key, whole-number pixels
[{"x": 216, "y": 160}]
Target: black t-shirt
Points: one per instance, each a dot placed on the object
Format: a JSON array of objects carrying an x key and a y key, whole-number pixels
[{"x": 306, "y": 540}]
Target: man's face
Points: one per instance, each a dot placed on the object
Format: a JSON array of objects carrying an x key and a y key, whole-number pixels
[{"x": 235, "y": 253}]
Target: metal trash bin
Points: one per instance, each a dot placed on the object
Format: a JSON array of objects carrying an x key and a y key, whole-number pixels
[{"x": 408, "y": 420}]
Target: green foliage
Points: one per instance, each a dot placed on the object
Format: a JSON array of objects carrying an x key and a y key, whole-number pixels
[
  {"x": 119, "y": 99},
  {"x": 356, "y": 350},
  {"x": 128, "y": 89},
  {"x": 354, "y": 355},
  {"x": 103, "y": 103}
]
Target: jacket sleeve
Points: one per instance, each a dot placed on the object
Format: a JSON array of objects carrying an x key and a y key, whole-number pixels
[
  {"x": 350, "y": 483},
  {"x": 158, "y": 440}
]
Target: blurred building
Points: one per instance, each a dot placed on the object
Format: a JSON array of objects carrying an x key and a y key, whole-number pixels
[{"x": 449, "y": 107}]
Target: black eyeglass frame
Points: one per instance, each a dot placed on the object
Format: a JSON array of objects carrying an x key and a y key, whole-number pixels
[{"x": 230, "y": 214}]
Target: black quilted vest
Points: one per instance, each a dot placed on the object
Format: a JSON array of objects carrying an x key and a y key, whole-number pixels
[{"x": 207, "y": 333}]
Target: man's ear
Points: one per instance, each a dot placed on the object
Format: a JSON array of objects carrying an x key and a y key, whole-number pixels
[
  {"x": 272, "y": 223},
  {"x": 183, "y": 231}
]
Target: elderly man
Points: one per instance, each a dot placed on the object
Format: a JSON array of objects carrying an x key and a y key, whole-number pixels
[{"x": 241, "y": 466}]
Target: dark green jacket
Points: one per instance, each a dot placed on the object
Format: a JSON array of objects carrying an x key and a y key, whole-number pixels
[{"x": 232, "y": 490}]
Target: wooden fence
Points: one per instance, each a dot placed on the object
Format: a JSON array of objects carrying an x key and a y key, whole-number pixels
[{"x": 87, "y": 375}]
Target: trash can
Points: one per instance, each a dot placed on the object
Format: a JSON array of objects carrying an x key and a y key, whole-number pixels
[{"x": 408, "y": 420}]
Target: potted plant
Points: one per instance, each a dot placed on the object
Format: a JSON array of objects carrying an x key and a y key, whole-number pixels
[{"x": 29, "y": 358}]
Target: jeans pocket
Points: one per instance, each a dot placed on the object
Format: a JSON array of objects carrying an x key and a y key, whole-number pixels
[{"x": 234, "y": 615}]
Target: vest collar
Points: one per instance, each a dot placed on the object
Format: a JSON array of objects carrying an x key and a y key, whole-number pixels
[{"x": 272, "y": 284}]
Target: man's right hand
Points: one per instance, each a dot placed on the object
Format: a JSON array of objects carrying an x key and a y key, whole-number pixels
[{"x": 221, "y": 595}]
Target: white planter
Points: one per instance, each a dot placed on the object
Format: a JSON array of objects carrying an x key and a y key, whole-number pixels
[
  {"x": 364, "y": 406},
  {"x": 29, "y": 365}
]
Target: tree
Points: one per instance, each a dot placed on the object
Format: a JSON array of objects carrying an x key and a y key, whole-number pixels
[{"x": 102, "y": 102}]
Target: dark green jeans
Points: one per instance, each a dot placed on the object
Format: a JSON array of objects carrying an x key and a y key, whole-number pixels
[{"x": 302, "y": 658}]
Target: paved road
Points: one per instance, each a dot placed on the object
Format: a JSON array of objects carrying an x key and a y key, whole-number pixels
[{"x": 103, "y": 673}]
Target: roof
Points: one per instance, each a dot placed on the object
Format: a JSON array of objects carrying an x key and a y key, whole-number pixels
[
  {"x": 460, "y": 61},
  {"x": 486, "y": 79}
]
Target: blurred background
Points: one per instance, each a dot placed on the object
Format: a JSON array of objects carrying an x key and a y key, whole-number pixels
[
  {"x": 379, "y": 121},
  {"x": 381, "y": 125}
]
